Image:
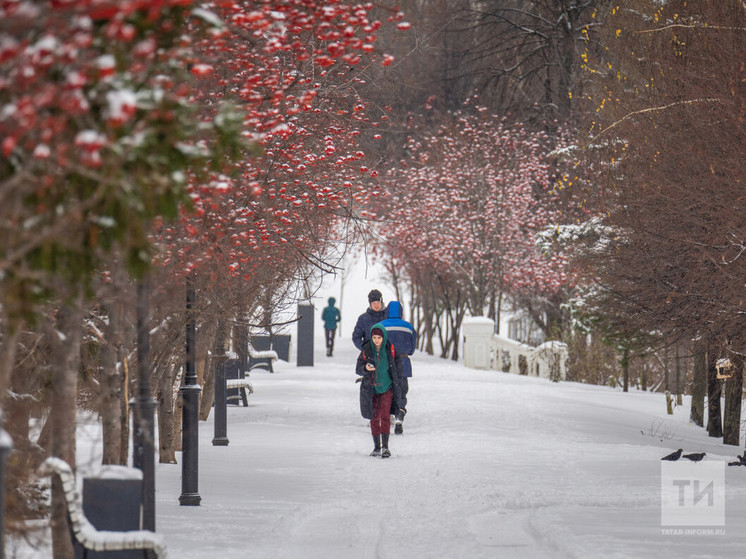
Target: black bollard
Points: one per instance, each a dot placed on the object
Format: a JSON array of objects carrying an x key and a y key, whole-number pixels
[
  {"x": 221, "y": 407},
  {"x": 305, "y": 336},
  {"x": 143, "y": 452}
]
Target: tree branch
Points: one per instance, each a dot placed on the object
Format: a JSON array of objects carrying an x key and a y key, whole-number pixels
[{"x": 651, "y": 110}]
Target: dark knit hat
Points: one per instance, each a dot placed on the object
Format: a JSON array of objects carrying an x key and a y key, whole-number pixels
[
  {"x": 375, "y": 295},
  {"x": 376, "y": 332}
]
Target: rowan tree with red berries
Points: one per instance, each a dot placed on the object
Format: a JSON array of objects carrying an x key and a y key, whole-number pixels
[
  {"x": 95, "y": 129},
  {"x": 218, "y": 140},
  {"x": 462, "y": 214},
  {"x": 296, "y": 87}
]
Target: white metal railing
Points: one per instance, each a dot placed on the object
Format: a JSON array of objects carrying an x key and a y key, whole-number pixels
[{"x": 483, "y": 349}]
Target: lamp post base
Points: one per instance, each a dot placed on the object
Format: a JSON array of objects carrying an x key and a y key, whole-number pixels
[
  {"x": 190, "y": 499},
  {"x": 190, "y": 446}
]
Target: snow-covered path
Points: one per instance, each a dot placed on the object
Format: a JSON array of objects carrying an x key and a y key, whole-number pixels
[{"x": 490, "y": 465}]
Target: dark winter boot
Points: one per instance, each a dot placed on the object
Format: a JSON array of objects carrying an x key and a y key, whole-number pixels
[
  {"x": 385, "y": 452},
  {"x": 398, "y": 427},
  {"x": 376, "y": 445}
]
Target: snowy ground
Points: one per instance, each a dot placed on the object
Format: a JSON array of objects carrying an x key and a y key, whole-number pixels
[{"x": 490, "y": 465}]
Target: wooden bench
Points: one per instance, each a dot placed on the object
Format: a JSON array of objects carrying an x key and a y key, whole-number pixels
[
  {"x": 262, "y": 359},
  {"x": 242, "y": 384},
  {"x": 85, "y": 533}
]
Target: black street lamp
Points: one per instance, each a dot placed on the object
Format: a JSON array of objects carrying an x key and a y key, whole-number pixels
[
  {"x": 144, "y": 435},
  {"x": 189, "y": 391},
  {"x": 6, "y": 445}
]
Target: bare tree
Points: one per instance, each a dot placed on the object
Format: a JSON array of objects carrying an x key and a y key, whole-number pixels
[{"x": 668, "y": 120}]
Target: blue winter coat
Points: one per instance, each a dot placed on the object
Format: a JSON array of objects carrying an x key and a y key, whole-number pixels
[
  {"x": 367, "y": 385},
  {"x": 402, "y": 335},
  {"x": 361, "y": 333},
  {"x": 330, "y": 315}
]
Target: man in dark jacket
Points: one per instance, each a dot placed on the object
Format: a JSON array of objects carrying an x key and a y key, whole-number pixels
[
  {"x": 376, "y": 312},
  {"x": 403, "y": 336}
]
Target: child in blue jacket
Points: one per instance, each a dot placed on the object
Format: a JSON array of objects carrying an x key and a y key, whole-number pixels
[{"x": 404, "y": 338}]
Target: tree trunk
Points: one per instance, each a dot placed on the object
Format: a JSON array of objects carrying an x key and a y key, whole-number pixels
[
  {"x": 733, "y": 395},
  {"x": 65, "y": 338},
  {"x": 124, "y": 405},
  {"x": 456, "y": 320},
  {"x": 625, "y": 368},
  {"x": 498, "y": 312},
  {"x": 393, "y": 272},
  {"x": 8, "y": 347},
  {"x": 111, "y": 389},
  {"x": 429, "y": 330},
  {"x": 177, "y": 423},
  {"x": 17, "y": 411},
  {"x": 492, "y": 307},
  {"x": 208, "y": 382},
  {"x": 414, "y": 310},
  {"x": 204, "y": 342},
  {"x": 208, "y": 391},
  {"x": 441, "y": 325},
  {"x": 428, "y": 312},
  {"x": 166, "y": 450},
  {"x": 699, "y": 385},
  {"x": 714, "y": 421},
  {"x": 680, "y": 371}
]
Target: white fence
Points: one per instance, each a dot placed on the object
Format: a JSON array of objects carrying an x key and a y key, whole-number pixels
[{"x": 483, "y": 349}]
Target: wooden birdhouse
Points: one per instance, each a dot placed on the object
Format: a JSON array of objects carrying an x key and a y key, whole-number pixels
[{"x": 724, "y": 368}]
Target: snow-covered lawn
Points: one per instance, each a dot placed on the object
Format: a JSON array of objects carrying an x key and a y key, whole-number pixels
[{"x": 490, "y": 465}]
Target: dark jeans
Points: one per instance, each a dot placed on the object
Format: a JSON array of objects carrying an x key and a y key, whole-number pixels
[
  {"x": 381, "y": 422},
  {"x": 329, "y": 340},
  {"x": 404, "y": 392}
]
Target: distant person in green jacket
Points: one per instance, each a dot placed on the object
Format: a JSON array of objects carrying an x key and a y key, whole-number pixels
[{"x": 331, "y": 316}]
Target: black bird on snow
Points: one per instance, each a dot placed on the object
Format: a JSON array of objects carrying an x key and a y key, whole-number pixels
[
  {"x": 741, "y": 461},
  {"x": 695, "y": 456},
  {"x": 674, "y": 455}
]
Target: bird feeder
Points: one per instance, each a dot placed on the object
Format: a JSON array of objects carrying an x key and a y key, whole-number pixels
[{"x": 724, "y": 368}]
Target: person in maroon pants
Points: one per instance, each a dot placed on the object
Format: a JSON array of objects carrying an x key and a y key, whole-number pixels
[{"x": 381, "y": 387}]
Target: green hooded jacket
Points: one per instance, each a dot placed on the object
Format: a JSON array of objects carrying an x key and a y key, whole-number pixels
[
  {"x": 387, "y": 374},
  {"x": 383, "y": 381}
]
